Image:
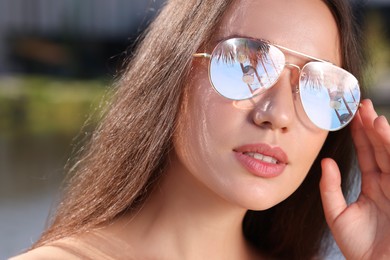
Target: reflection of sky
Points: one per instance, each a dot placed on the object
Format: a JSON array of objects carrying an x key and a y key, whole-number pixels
[
  {"x": 227, "y": 79},
  {"x": 316, "y": 102}
]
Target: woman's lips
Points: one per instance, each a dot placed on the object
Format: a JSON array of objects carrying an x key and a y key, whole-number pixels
[{"x": 262, "y": 160}]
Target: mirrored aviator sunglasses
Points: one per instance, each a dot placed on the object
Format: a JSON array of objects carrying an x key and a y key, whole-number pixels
[{"x": 241, "y": 68}]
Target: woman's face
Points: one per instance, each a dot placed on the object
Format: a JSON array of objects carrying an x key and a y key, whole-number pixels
[{"x": 255, "y": 153}]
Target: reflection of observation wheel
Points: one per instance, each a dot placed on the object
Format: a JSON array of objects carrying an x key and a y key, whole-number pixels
[
  {"x": 335, "y": 104},
  {"x": 248, "y": 74},
  {"x": 335, "y": 99},
  {"x": 344, "y": 118}
]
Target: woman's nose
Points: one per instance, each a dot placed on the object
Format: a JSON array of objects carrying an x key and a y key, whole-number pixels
[{"x": 275, "y": 108}]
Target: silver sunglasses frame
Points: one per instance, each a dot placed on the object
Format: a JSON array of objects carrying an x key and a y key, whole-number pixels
[{"x": 282, "y": 48}]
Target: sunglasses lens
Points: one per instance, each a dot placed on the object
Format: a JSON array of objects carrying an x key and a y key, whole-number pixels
[
  {"x": 330, "y": 95},
  {"x": 242, "y": 68}
]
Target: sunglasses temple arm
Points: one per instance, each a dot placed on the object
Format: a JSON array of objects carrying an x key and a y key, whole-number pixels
[
  {"x": 300, "y": 53},
  {"x": 201, "y": 55}
]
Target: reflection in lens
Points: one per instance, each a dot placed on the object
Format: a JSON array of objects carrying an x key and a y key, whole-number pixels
[
  {"x": 242, "y": 68},
  {"x": 330, "y": 95}
]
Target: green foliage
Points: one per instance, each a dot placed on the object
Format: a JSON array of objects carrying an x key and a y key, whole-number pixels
[
  {"x": 35, "y": 106},
  {"x": 377, "y": 47},
  {"x": 378, "y": 53}
]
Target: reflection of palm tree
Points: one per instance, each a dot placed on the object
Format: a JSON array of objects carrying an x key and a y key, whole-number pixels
[
  {"x": 251, "y": 51},
  {"x": 242, "y": 51},
  {"x": 313, "y": 78}
]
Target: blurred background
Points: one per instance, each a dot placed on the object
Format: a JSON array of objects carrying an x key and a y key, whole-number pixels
[{"x": 57, "y": 59}]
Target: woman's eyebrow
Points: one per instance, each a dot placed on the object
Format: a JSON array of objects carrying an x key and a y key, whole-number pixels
[{"x": 237, "y": 35}]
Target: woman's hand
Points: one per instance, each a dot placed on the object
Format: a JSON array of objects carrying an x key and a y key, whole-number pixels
[{"x": 362, "y": 229}]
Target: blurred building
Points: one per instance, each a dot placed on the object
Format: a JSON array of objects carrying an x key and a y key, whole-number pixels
[
  {"x": 84, "y": 38},
  {"x": 69, "y": 38},
  {"x": 379, "y": 2}
]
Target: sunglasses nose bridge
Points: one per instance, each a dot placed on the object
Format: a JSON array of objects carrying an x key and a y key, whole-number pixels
[
  {"x": 288, "y": 64},
  {"x": 294, "y": 78}
]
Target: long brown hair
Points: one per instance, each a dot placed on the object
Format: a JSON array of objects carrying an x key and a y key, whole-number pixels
[{"x": 129, "y": 149}]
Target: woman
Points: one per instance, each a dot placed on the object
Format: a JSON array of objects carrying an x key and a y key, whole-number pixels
[{"x": 187, "y": 165}]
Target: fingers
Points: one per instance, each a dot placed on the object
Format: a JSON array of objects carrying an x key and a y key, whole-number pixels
[
  {"x": 383, "y": 130},
  {"x": 331, "y": 194},
  {"x": 372, "y": 137},
  {"x": 365, "y": 151}
]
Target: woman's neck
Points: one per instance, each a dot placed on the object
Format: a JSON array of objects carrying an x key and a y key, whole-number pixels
[{"x": 183, "y": 219}]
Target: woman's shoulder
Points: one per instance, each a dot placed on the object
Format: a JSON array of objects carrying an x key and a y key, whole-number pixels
[
  {"x": 51, "y": 252},
  {"x": 90, "y": 245},
  {"x": 72, "y": 248}
]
